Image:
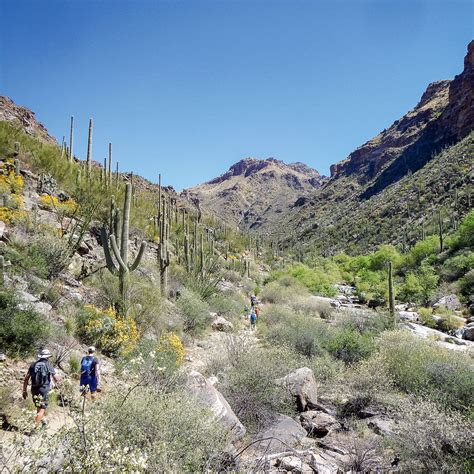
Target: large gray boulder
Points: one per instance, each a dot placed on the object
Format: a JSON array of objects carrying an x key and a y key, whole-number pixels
[
  {"x": 221, "y": 324},
  {"x": 204, "y": 390},
  {"x": 450, "y": 301},
  {"x": 317, "y": 423},
  {"x": 468, "y": 332},
  {"x": 302, "y": 385}
]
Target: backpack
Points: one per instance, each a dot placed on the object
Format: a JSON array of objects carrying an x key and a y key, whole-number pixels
[
  {"x": 253, "y": 317},
  {"x": 40, "y": 374},
  {"x": 87, "y": 366}
]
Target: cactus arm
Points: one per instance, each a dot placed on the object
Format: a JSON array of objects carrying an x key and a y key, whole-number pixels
[
  {"x": 116, "y": 251},
  {"x": 108, "y": 257},
  {"x": 139, "y": 257}
]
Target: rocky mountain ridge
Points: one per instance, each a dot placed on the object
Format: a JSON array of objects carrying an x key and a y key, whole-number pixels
[{"x": 253, "y": 192}]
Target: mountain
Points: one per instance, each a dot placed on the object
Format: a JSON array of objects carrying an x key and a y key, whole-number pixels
[
  {"x": 393, "y": 185},
  {"x": 253, "y": 193}
]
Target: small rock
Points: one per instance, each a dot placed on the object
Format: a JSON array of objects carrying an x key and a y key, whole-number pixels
[
  {"x": 381, "y": 426},
  {"x": 221, "y": 324},
  {"x": 3, "y": 228},
  {"x": 293, "y": 464},
  {"x": 317, "y": 424}
]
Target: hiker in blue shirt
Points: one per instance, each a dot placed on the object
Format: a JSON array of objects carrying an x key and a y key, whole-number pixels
[
  {"x": 253, "y": 320},
  {"x": 40, "y": 373},
  {"x": 90, "y": 373}
]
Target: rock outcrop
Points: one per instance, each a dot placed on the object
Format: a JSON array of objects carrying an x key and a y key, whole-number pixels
[{"x": 302, "y": 385}]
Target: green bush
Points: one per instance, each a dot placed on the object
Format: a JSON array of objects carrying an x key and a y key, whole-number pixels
[
  {"x": 283, "y": 290},
  {"x": 466, "y": 285},
  {"x": 458, "y": 265},
  {"x": 350, "y": 346},
  {"x": 22, "y": 332},
  {"x": 426, "y": 316},
  {"x": 251, "y": 390},
  {"x": 423, "y": 368},
  {"x": 419, "y": 285},
  {"x": 465, "y": 235},
  {"x": 194, "y": 311},
  {"x": 422, "y": 250}
]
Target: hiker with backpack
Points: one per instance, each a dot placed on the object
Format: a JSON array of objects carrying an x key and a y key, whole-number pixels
[
  {"x": 40, "y": 373},
  {"x": 253, "y": 320},
  {"x": 253, "y": 301},
  {"x": 90, "y": 373}
]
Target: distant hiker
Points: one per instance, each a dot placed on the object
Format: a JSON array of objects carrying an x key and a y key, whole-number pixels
[
  {"x": 257, "y": 311},
  {"x": 253, "y": 300},
  {"x": 253, "y": 320},
  {"x": 90, "y": 373},
  {"x": 246, "y": 312},
  {"x": 40, "y": 374}
]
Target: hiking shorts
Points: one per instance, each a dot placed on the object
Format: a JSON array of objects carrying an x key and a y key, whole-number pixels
[
  {"x": 40, "y": 396},
  {"x": 88, "y": 384}
]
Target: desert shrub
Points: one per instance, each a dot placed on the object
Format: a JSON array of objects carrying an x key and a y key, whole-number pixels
[
  {"x": 251, "y": 390},
  {"x": 350, "y": 346},
  {"x": 466, "y": 285},
  {"x": 173, "y": 430},
  {"x": 311, "y": 307},
  {"x": 455, "y": 267},
  {"x": 326, "y": 369},
  {"x": 371, "y": 285},
  {"x": 67, "y": 207},
  {"x": 378, "y": 261},
  {"x": 74, "y": 365},
  {"x": 170, "y": 350},
  {"x": 449, "y": 321},
  {"x": 283, "y": 290},
  {"x": 430, "y": 440},
  {"x": 319, "y": 279},
  {"x": 365, "y": 321},
  {"x": 419, "y": 285},
  {"x": 465, "y": 235},
  {"x": 227, "y": 304},
  {"x": 426, "y": 316},
  {"x": 108, "y": 331},
  {"x": 22, "y": 332},
  {"x": 282, "y": 326},
  {"x": 422, "y": 249},
  {"x": 421, "y": 367},
  {"x": 194, "y": 311}
]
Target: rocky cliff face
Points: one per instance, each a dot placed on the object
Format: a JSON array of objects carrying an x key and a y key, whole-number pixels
[
  {"x": 252, "y": 193},
  {"x": 444, "y": 115},
  {"x": 25, "y": 118}
]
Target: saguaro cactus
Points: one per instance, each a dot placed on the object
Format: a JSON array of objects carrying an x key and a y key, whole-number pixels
[
  {"x": 2, "y": 270},
  {"x": 164, "y": 257},
  {"x": 71, "y": 140},
  {"x": 440, "y": 230},
  {"x": 391, "y": 296},
  {"x": 120, "y": 248},
  {"x": 89, "y": 148}
]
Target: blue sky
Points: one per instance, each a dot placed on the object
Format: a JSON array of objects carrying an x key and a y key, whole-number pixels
[{"x": 186, "y": 88}]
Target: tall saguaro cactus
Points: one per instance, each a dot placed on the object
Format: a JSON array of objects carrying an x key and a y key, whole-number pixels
[
  {"x": 440, "y": 231},
  {"x": 120, "y": 248},
  {"x": 391, "y": 296},
  {"x": 89, "y": 148},
  {"x": 164, "y": 256},
  {"x": 71, "y": 140}
]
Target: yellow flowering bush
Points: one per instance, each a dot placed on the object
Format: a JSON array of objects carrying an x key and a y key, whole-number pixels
[
  {"x": 111, "y": 333},
  {"x": 10, "y": 216},
  {"x": 67, "y": 207},
  {"x": 171, "y": 347}
]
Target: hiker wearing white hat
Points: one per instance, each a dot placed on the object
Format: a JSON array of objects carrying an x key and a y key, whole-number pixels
[{"x": 40, "y": 374}]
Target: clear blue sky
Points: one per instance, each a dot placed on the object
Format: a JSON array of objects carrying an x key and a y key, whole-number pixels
[{"x": 186, "y": 88}]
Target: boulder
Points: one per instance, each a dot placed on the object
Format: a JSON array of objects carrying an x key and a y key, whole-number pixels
[
  {"x": 468, "y": 332},
  {"x": 221, "y": 324},
  {"x": 284, "y": 433},
  {"x": 213, "y": 399},
  {"x": 317, "y": 424},
  {"x": 25, "y": 297},
  {"x": 302, "y": 385},
  {"x": 3, "y": 228},
  {"x": 450, "y": 302},
  {"x": 408, "y": 315},
  {"x": 381, "y": 426}
]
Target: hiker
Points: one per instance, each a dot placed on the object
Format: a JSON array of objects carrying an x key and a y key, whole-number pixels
[
  {"x": 253, "y": 300},
  {"x": 253, "y": 320},
  {"x": 90, "y": 373},
  {"x": 40, "y": 374},
  {"x": 246, "y": 312},
  {"x": 257, "y": 311}
]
